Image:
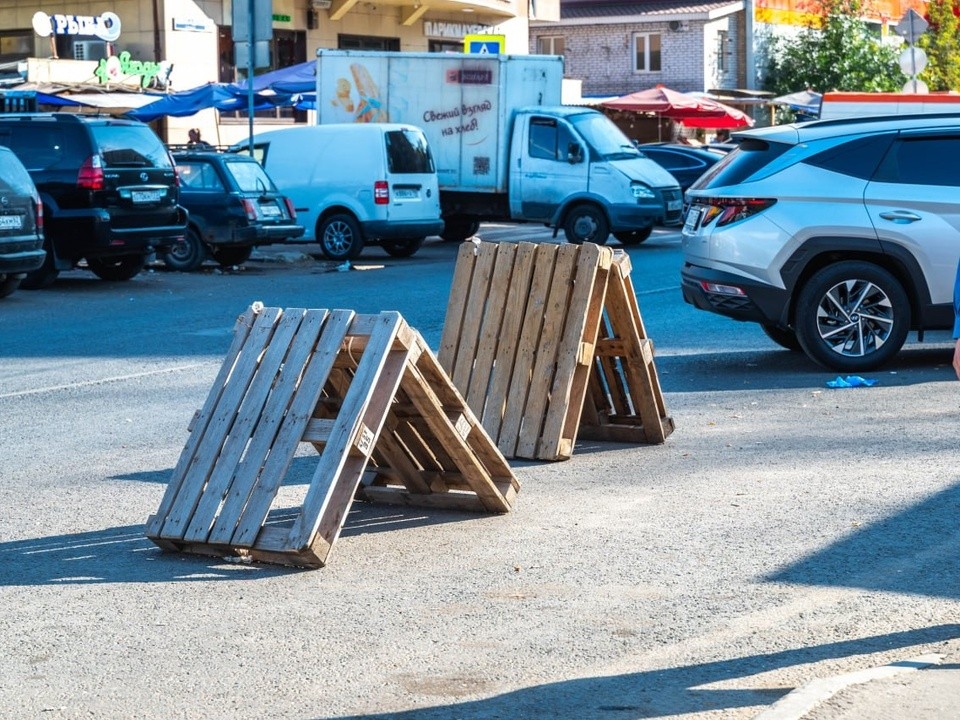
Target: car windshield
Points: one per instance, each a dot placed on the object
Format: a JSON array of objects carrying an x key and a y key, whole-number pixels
[
  {"x": 604, "y": 138},
  {"x": 250, "y": 176},
  {"x": 130, "y": 146}
]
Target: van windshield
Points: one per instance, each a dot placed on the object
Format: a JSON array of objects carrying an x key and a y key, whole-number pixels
[
  {"x": 408, "y": 152},
  {"x": 604, "y": 138}
]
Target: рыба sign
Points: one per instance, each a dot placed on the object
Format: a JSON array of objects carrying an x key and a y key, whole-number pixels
[{"x": 105, "y": 26}]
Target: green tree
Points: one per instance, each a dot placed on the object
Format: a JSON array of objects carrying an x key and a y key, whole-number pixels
[
  {"x": 942, "y": 46},
  {"x": 835, "y": 52}
]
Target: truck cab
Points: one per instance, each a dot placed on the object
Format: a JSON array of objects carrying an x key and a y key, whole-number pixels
[{"x": 571, "y": 168}]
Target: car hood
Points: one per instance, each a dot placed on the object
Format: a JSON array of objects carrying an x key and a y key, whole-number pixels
[{"x": 645, "y": 170}]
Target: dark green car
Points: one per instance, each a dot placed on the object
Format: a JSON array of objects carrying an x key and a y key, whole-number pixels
[{"x": 233, "y": 207}]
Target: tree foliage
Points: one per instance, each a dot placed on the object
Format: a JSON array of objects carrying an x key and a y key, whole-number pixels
[
  {"x": 837, "y": 51},
  {"x": 942, "y": 46}
]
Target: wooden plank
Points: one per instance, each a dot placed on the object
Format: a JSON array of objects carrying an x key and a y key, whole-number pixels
[
  {"x": 288, "y": 437},
  {"x": 477, "y": 301},
  {"x": 199, "y": 423},
  {"x": 494, "y": 408},
  {"x": 220, "y": 423},
  {"x": 555, "y": 314},
  {"x": 457, "y": 304},
  {"x": 499, "y": 290},
  {"x": 526, "y": 352},
  {"x": 338, "y": 474},
  {"x": 248, "y": 416}
]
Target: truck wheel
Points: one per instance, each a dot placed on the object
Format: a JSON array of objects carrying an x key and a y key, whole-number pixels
[
  {"x": 402, "y": 248},
  {"x": 117, "y": 269},
  {"x": 633, "y": 237},
  {"x": 852, "y": 316},
  {"x": 8, "y": 285},
  {"x": 186, "y": 254},
  {"x": 339, "y": 237},
  {"x": 230, "y": 256},
  {"x": 458, "y": 228},
  {"x": 586, "y": 223}
]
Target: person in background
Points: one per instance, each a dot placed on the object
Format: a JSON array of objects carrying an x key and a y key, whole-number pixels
[
  {"x": 195, "y": 141},
  {"x": 956, "y": 322}
]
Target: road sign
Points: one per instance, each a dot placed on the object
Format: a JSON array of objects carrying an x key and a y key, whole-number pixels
[
  {"x": 912, "y": 26},
  {"x": 261, "y": 54},
  {"x": 484, "y": 44},
  {"x": 912, "y": 61},
  {"x": 262, "y": 17}
]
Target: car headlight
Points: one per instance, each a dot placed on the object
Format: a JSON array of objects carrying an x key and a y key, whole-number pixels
[{"x": 642, "y": 192}]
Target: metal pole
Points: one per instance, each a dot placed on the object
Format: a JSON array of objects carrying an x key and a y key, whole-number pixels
[{"x": 250, "y": 64}]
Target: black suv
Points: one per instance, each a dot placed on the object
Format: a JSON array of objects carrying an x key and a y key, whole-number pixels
[
  {"x": 108, "y": 187},
  {"x": 233, "y": 207},
  {"x": 21, "y": 223}
]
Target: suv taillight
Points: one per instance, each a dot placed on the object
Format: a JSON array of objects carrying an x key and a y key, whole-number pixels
[
  {"x": 381, "y": 192},
  {"x": 290, "y": 208},
  {"x": 729, "y": 210},
  {"x": 90, "y": 176},
  {"x": 39, "y": 216},
  {"x": 250, "y": 207}
]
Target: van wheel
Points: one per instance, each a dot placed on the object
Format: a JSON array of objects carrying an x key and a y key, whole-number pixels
[
  {"x": 402, "y": 248},
  {"x": 852, "y": 316},
  {"x": 8, "y": 285},
  {"x": 458, "y": 228},
  {"x": 186, "y": 254},
  {"x": 230, "y": 256},
  {"x": 586, "y": 223},
  {"x": 340, "y": 237},
  {"x": 633, "y": 237},
  {"x": 117, "y": 269}
]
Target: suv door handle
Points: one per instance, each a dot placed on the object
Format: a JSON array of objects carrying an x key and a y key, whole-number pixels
[{"x": 900, "y": 216}]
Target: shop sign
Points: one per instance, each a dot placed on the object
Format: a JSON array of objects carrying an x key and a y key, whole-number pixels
[
  {"x": 457, "y": 31},
  {"x": 192, "y": 25},
  {"x": 105, "y": 26},
  {"x": 119, "y": 67}
]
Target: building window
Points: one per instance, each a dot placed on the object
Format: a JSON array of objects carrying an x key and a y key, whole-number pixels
[
  {"x": 445, "y": 46},
  {"x": 16, "y": 45},
  {"x": 367, "y": 42},
  {"x": 646, "y": 52},
  {"x": 288, "y": 47},
  {"x": 723, "y": 51},
  {"x": 550, "y": 45}
]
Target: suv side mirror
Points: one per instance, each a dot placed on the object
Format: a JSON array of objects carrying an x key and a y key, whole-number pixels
[{"x": 574, "y": 153}]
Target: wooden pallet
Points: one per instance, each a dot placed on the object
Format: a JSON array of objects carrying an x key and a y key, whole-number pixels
[
  {"x": 625, "y": 402},
  {"x": 367, "y": 393},
  {"x": 520, "y": 340}
]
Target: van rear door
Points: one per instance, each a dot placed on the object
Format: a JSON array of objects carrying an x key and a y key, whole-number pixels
[{"x": 411, "y": 176}]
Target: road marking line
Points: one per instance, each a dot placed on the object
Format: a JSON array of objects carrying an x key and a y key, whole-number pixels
[
  {"x": 101, "y": 381},
  {"x": 798, "y": 703}
]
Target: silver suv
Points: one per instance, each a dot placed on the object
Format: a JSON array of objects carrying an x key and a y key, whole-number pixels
[{"x": 838, "y": 237}]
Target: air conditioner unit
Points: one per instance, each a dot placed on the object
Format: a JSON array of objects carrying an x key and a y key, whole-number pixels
[
  {"x": 677, "y": 26},
  {"x": 89, "y": 50}
]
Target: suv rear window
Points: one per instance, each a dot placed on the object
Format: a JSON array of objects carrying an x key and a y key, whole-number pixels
[
  {"x": 408, "y": 152},
  {"x": 130, "y": 146},
  {"x": 249, "y": 175},
  {"x": 13, "y": 178},
  {"x": 44, "y": 145},
  {"x": 737, "y": 167}
]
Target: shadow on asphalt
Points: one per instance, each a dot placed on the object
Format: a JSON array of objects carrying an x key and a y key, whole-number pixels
[
  {"x": 655, "y": 693},
  {"x": 125, "y": 555}
]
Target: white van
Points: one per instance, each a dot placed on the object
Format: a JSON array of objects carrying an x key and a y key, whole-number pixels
[{"x": 354, "y": 184}]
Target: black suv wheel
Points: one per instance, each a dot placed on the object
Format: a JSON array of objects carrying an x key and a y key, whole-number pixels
[
  {"x": 852, "y": 316},
  {"x": 117, "y": 269}
]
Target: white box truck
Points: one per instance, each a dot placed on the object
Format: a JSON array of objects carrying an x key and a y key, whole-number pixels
[{"x": 504, "y": 147}]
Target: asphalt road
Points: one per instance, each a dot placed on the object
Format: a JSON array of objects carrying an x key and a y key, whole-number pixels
[{"x": 786, "y": 531}]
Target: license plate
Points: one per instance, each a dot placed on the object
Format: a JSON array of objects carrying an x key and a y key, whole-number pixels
[
  {"x": 674, "y": 205},
  {"x": 405, "y": 194},
  {"x": 11, "y": 222},
  {"x": 693, "y": 217},
  {"x": 270, "y": 211},
  {"x": 146, "y": 196}
]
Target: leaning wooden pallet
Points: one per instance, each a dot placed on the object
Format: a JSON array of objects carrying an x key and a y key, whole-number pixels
[
  {"x": 367, "y": 393},
  {"x": 520, "y": 340}
]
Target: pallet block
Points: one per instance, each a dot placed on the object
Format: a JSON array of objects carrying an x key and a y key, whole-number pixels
[
  {"x": 367, "y": 393},
  {"x": 536, "y": 333}
]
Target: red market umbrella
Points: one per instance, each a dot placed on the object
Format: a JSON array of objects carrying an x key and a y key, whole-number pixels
[{"x": 692, "y": 111}]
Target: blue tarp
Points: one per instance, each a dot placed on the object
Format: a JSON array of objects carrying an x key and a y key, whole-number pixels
[{"x": 294, "y": 86}]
